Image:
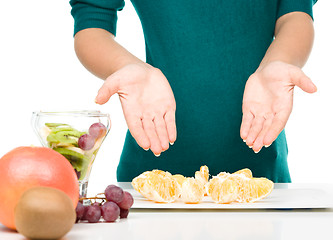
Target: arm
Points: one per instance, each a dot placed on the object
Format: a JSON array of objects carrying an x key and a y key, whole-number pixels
[
  {"x": 100, "y": 53},
  {"x": 145, "y": 94},
  {"x": 268, "y": 94},
  {"x": 294, "y": 35}
]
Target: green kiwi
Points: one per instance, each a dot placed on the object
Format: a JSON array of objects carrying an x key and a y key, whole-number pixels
[
  {"x": 44, "y": 213},
  {"x": 62, "y": 129},
  {"x": 64, "y": 136},
  {"x": 78, "y": 160},
  {"x": 53, "y": 125}
]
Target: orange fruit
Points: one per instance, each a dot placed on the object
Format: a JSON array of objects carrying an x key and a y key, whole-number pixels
[
  {"x": 27, "y": 167},
  {"x": 259, "y": 189},
  {"x": 222, "y": 189},
  {"x": 192, "y": 191},
  {"x": 179, "y": 178},
  {"x": 246, "y": 172},
  {"x": 223, "y": 174},
  {"x": 160, "y": 186},
  {"x": 157, "y": 186},
  {"x": 202, "y": 175},
  {"x": 252, "y": 189}
]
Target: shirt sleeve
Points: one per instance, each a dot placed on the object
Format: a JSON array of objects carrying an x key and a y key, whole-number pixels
[
  {"x": 96, "y": 14},
  {"x": 287, "y": 6}
]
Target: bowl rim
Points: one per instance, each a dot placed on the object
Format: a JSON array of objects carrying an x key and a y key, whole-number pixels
[{"x": 76, "y": 113}]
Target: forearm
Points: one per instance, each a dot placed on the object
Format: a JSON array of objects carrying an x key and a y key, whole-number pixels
[
  {"x": 294, "y": 35},
  {"x": 100, "y": 53}
]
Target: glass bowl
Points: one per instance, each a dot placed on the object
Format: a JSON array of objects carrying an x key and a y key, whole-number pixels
[{"x": 77, "y": 135}]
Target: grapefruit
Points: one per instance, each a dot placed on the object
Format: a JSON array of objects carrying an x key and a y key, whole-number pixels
[{"x": 27, "y": 167}]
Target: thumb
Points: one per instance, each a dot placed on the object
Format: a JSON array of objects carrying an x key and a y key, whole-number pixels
[
  {"x": 110, "y": 87},
  {"x": 299, "y": 79}
]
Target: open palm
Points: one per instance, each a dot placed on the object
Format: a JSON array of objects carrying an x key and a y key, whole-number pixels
[
  {"x": 268, "y": 102},
  {"x": 148, "y": 104}
]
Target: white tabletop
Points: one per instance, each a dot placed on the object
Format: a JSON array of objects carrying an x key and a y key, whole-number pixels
[
  {"x": 208, "y": 224},
  {"x": 234, "y": 224}
]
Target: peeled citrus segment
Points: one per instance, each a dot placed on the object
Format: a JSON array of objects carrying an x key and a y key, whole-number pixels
[
  {"x": 157, "y": 186},
  {"x": 256, "y": 189},
  {"x": 179, "y": 179},
  {"x": 251, "y": 189},
  {"x": 192, "y": 191},
  {"x": 204, "y": 169},
  {"x": 223, "y": 175},
  {"x": 248, "y": 189},
  {"x": 161, "y": 173},
  {"x": 202, "y": 175},
  {"x": 246, "y": 172},
  {"x": 243, "y": 184},
  {"x": 222, "y": 189}
]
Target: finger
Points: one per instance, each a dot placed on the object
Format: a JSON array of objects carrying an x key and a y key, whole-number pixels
[
  {"x": 246, "y": 125},
  {"x": 255, "y": 129},
  {"x": 278, "y": 123},
  {"x": 109, "y": 88},
  {"x": 149, "y": 128},
  {"x": 170, "y": 121},
  {"x": 302, "y": 81},
  {"x": 135, "y": 126},
  {"x": 161, "y": 131},
  {"x": 259, "y": 142}
]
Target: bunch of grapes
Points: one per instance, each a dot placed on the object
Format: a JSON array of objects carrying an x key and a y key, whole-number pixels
[{"x": 115, "y": 204}]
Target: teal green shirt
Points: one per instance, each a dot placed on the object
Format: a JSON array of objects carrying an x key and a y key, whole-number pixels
[{"x": 207, "y": 49}]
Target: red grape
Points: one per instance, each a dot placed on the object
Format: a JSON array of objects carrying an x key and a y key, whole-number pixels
[
  {"x": 97, "y": 130},
  {"x": 124, "y": 213},
  {"x": 86, "y": 142},
  {"x": 79, "y": 211},
  {"x": 110, "y": 211},
  {"x": 84, "y": 213},
  {"x": 114, "y": 193},
  {"x": 93, "y": 213},
  {"x": 127, "y": 201}
]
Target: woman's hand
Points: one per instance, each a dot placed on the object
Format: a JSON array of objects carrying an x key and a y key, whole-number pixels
[
  {"x": 268, "y": 101},
  {"x": 148, "y": 104}
]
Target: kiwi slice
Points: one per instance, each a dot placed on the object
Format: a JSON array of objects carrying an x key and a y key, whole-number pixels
[
  {"x": 53, "y": 125},
  {"x": 62, "y": 137},
  {"x": 65, "y": 129},
  {"x": 71, "y": 133},
  {"x": 78, "y": 160},
  {"x": 59, "y": 127},
  {"x": 83, "y": 167}
]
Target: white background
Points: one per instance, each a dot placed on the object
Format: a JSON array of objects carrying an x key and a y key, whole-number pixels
[{"x": 39, "y": 71}]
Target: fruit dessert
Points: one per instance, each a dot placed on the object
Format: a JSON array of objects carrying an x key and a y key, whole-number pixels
[
  {"x": 160, "y": 186},
  {"x": 79, "y": 147}
]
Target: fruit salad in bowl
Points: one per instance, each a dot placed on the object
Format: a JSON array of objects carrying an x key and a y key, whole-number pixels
[{"x": 77, "y": 135}]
